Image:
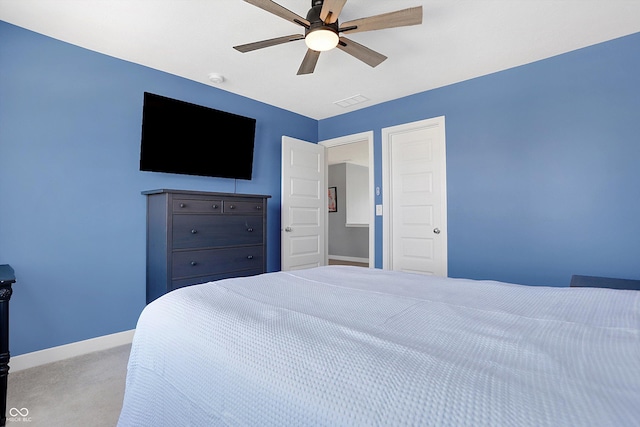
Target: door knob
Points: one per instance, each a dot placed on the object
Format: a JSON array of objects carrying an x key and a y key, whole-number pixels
[
  {"x": 436, "y": 230},
  {"x": 287, "y": 229}
]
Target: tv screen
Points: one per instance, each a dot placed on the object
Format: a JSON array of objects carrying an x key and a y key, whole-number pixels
[{"x": 184, "y": 138}]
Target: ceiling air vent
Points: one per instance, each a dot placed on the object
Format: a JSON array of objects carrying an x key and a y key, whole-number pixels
[{"x": 352, "y": 100}]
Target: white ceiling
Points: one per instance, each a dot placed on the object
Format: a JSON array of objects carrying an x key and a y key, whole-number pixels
[{"x": 458, "y": 40}]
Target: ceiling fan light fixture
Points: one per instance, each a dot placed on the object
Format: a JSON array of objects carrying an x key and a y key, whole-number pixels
[
  {"x": 321, "y": 39},
  {"x": 323, "y": 30}
]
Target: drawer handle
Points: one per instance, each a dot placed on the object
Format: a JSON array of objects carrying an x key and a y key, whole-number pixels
[
  {"x": 259, "y": 207},
  {"x": 182, "y": 205},
  {"x": 232, "y": 206},
  {"x": 249, "y": 229},
  {"x": 194, "y": 231},
  {"x": 215, "y": 206},
  {"x": 250, "y": 257},
  {"x": 193, "y": 263}
]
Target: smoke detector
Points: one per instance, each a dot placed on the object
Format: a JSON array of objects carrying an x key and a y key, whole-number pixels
[{"x": 216, "y": 78}]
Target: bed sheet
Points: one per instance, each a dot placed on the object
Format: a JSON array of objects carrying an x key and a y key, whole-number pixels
[{"x": 340, "y": 345}]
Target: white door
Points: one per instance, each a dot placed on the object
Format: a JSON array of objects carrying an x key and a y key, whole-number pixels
[
  {"x": 303, "y": 205},
  {"x": 414, "y": 197}
]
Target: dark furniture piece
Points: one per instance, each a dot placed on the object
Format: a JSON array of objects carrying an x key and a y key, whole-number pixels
[
  {"x": 197, "y": 237},
  {"x": 7, "y": 278},
  {"x": 604, "y": 282}
]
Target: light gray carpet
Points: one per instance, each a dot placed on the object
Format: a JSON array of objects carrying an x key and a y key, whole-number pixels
[{"x": 83, "y": 391}]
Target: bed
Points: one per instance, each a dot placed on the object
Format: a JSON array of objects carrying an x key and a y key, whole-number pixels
[{"x": 339, "y": 345}]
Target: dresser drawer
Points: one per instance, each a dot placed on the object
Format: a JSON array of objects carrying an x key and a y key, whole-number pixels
[
  {"x": 196, "y": 206},
  {"x": 188, "y": 281},
  {"x": 243, "y": 207},
  {"x": 215, "y": 261},
  {"x": 202, "y": 231}
]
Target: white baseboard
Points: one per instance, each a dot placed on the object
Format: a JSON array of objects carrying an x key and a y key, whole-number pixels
[
  {"x": 54, "y": 354},
  {"x": 349, "y": 258}
]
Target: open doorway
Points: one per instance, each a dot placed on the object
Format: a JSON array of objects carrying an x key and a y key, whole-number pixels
[{"x": 350, "y": 222}]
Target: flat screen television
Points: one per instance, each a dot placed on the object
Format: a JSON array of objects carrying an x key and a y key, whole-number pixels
[{"x": 184, "y": 138}]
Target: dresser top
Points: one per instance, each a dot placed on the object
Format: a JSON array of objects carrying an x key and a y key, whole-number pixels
[{"x": 202, "y": 193}]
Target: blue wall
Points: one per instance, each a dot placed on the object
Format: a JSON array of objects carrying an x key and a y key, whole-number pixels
[
  {"x": 543, "y": 165},
  {"x": 543, "y": 168},
  {"x": 72, "y": 219}
]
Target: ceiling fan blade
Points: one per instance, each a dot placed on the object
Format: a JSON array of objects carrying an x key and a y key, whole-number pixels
[
  {"x": 399, "y": 18},
  {"x": 363, "y": 53},
  {"x": 280, "y": 11},
  {"x": 309, "y": 62},
  {"x": 244, "y": 48},
  {"x": 330, "y": 10}
]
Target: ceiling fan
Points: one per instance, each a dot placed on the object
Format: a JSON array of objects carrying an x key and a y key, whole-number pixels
[{"x": 322, "y": 30}]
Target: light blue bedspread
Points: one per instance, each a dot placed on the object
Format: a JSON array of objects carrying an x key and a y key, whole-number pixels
[{"x": 336, "y": 346}]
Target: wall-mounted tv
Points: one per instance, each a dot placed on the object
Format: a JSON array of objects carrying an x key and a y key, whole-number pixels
[{"x": 184, "y": 138}]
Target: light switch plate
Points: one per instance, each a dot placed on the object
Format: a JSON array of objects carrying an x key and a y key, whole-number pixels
[{"x": 378, "y": 210}]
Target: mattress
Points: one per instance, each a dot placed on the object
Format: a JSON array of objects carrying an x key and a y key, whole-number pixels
[{"x": 338, "y": 345}]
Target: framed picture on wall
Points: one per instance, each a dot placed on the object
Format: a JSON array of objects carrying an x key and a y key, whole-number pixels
[{"x": 333, "y": 202}]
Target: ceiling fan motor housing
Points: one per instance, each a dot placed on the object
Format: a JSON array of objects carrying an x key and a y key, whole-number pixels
[{"x": 313, "y": 16}]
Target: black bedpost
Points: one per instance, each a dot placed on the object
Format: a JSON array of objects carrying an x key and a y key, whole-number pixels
[{"x": 7, "y": 278}]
